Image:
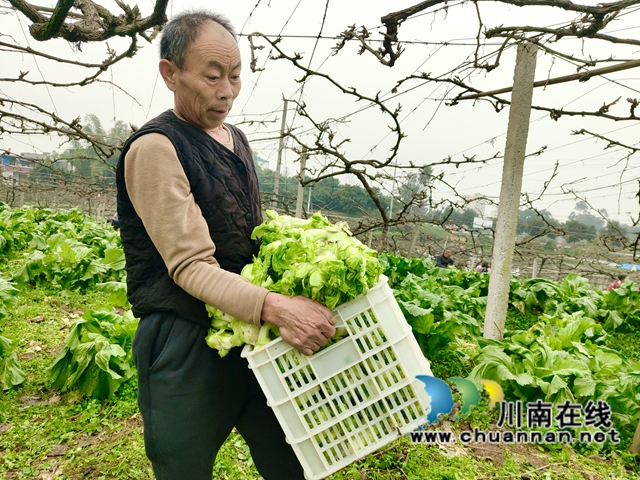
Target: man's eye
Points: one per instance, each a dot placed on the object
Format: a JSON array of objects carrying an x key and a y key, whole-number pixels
[{"x": 213, "y": 79}]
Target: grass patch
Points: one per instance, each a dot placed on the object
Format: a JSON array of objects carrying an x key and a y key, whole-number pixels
[{"x": 45, "y": 433}]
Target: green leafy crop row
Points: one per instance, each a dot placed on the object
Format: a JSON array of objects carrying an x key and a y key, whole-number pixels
[
  {"x": 63, "y": 249},
  {"x": 563, "y": 356}
]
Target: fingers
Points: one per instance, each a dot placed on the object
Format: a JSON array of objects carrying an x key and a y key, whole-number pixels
[
  {"x": 305, "y": 324},
  {"x": 316, "y": 341},
  {"x": 310, "y": 350},
  {"x": 322, "y": 310},
  {"x": 328, "y": 314},
  {"x": 328, "y": 331}
]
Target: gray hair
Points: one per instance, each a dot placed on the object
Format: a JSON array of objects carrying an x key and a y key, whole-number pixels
[{"x": 183, "y": 30}]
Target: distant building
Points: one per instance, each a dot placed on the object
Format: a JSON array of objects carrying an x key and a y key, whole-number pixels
[
  {"x": 18, "y": 167},
  {"x": 478, "y": 203},
  {"x": 14, "y": 167},
  {"x": 8, "y": 159},
  {"x": 480, "y": 223}
]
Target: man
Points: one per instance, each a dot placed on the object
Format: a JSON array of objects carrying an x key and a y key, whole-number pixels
[
  {"x": 483, "y": 268},
  {"x": 444, "y": 260},
  {"x": 188, "y": 201},
  {"x": 617, "y": 283}
]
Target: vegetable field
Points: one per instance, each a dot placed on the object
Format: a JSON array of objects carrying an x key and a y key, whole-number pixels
[{"x": 68, "y": 401}]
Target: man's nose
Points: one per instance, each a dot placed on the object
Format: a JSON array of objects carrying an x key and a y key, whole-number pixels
[{"x": 224, "y": 89}]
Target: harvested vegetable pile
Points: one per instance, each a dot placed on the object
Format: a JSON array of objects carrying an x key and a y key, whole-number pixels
[{"x": 309, "y": 257}]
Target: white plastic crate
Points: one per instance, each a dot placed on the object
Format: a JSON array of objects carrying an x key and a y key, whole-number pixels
[{"x": 352, "y": 398}]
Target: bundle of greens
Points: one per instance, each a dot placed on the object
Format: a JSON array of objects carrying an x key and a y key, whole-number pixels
[
  {"x": 227, "y": 332},
  {"x": 96, "y": 358},
  {"x": 309, "y": 257}
]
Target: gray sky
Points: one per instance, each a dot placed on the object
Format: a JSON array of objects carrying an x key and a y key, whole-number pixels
[{"x": 434, "y": 130}]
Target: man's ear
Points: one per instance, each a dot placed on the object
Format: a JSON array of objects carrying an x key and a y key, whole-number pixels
[{"x": 168, "y": 70}]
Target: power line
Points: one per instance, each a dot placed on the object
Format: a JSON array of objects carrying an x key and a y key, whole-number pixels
[
  {"x": 255, "y": 7},
  {"x": 463, "y": 172},
  {"x": 153, "y": 92},
  {"x": 35, "y": 59},
  {"x": 372, "y": 40},
  {"x": 313, "y": 52},
  {"x": 267, "y": 59},
  {"x": 549, "y": 169}
]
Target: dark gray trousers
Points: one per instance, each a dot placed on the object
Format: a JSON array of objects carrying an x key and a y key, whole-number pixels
[{"x": 191, "y": 399}]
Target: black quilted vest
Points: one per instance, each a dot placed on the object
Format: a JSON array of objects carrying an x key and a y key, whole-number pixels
[{"x": 225, "y": 187}]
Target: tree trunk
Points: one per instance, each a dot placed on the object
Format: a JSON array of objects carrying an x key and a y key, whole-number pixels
[{"x": 635, "y": 445}]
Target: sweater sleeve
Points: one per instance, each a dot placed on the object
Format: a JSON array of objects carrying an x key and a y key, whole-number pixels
[{"x": 161, "y": 195}]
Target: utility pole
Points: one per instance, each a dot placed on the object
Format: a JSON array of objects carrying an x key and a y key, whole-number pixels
[
  {"x": 393, "y": 187},
  {"x": 300, "y": 199},
  {"x": 276, "y": 177},
  {"x": 535, "y": 270},
  {"x": 414, "y": 238},
  {"x": 510, "y": 190}
]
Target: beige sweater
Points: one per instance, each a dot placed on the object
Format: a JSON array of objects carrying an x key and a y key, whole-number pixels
[{"x": 161, "y": 196}]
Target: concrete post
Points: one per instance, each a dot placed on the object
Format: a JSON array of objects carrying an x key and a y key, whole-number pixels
[
  {"x": 276, "y": 177},
  {"x": 535, "y": 270},
  {"x": 414, "y": 239},
  {"x": 512, "y": 171},
  {"x": 300, "y": 199},
  {"x": 635, "y": 444}
]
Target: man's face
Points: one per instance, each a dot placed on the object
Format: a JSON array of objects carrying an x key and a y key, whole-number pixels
[{"x": 209, "y": 81}]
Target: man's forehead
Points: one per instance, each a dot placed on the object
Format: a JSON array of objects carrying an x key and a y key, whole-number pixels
[
  {"x": 212, "y": 31},
  {"x": 217, "y": 44}
]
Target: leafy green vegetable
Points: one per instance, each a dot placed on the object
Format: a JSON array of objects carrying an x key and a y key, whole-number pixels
[
  {"x": 227, "y": 332},
  {"x": 7, "y": 296},
  {"x": 621, "y": 305},
  {"x": 313, "y": 258},
  {"x": 117, "y": 292},
  {"x": 558, "y": 359},
  {"x": 28, "y": 228},
  {"x": 441, "y": 305},
  {"x": 561, "y": 357},
  {"x": 11, "y": 373},
  {"x": 65, "y": 249},
  {"x": 71, "y": 264},
  {"x": 96, "y": 358},
  {"x": 574, "y": 294},
  {"x": 309, "y": 257}
]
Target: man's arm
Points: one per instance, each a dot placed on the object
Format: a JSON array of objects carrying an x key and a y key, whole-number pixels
[{"x": 161, "y": 194}]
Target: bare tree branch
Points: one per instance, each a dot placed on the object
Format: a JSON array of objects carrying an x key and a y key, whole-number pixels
[{"x": 94, "y": 25}]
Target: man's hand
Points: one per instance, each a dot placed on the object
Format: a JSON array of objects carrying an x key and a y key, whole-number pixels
[{"x": 304, "y": 324}]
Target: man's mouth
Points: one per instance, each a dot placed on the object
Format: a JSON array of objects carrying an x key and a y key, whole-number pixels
[{"x": 220, "y": 113}]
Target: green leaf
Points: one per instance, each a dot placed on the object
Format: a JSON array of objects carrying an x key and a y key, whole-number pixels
[
  {"x": 8, "y": 296},
  {"x": 96, "y": 358},
  {"x": 612, "y": 320},
  {"x": 584, "y": 387},
  {"x": 114, "y": 259},
  {"x": 11, "y": 374},
  {"x": 117, "y": 293}
]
